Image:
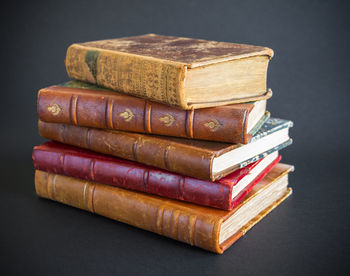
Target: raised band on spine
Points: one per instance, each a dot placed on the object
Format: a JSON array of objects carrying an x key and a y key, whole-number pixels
[
  {"x": 134, "y": 150},
  {"x": 244, "y": 126},
  {"x": 147, "y": 117},
  {"x": 74, "y": 110},
  {"x": 189, "y": 123},
  {"x": 109, "y": 113},
  {"x": 166, "y": 151}
]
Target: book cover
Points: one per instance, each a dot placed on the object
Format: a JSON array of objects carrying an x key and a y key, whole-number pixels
[
  {"x": 200, "y": 159},
  {"x": 75, "y": 162},
  {"x": 86, "y": 105},
  {"x": 208, "y": 228},
  {"x": 183, "y": 72}
]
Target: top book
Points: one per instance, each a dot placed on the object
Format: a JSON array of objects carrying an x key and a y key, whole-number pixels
[{"x": 182, "y": 72}]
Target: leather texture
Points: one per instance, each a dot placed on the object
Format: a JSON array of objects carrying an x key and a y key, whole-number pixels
[
  {"x": 190, "y": 223},
  {"x": 188, "y": 51},
  {"x": 184, "y": 156},
  {"x": 100, "y": 108},
  {"x": 169, "y": 153},
  {"x": 155, "y": 67},
  {"x": 75, "y": 162}
]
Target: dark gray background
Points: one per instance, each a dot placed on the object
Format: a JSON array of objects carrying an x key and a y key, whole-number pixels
[{"x": 309, "y": 233}]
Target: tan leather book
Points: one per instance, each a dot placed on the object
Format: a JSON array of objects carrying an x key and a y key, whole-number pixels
[
  {"x": 83, "y": 104},
  {"x": 200, "y": 159},
  {"x": 208, "y": 228},
  {"x": 183, "y": 72}
]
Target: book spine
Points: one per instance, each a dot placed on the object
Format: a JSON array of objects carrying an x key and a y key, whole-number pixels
[
  {"x": 147, "y": 150},
  {"x": 140, "y": 210},
  {"x": 149, "y": 78},
  {"x": 133, "y": 177},
  {"x": 74, "y": 106}
]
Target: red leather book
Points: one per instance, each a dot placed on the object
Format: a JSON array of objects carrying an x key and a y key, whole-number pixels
[{"x": 225, "y": 193}]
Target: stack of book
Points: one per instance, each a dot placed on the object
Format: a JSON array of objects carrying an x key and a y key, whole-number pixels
[{"x": 167, "y": 134}]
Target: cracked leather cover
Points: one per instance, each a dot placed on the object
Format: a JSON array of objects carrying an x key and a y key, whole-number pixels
[{"x": 155, "y": 67}]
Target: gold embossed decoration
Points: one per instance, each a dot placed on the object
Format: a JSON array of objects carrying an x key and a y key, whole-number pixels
[
  {"x": 168, "y": 119},
  {"x": 127, "y": 115},
  {"x": 213, "y": 125},
  {"x": 55, "y": 109}
]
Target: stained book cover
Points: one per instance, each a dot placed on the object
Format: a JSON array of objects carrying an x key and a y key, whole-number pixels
[
  {"x": 86, "y": 105},
  {"x": 196, "y": 225},
  {"x": 75, "y": 162},
  {"x": 159, "y": 68},
  {"x": 184, "y": 156}
]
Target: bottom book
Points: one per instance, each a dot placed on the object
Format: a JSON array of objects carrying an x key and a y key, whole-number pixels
[{"x": 208, "y": 228}]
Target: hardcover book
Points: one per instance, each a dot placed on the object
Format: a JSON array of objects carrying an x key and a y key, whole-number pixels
[
  {"x": 208, "y": 228},
  {"x": 82, "y": 104},
  {"x": 225, "y": 193},
  {"x": 182, "y": 72},
  {"x": 200, "y": 159}
]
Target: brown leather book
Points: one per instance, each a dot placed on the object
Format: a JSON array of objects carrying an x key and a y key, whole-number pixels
[
  {"x": 81, "y": 104},
  {"x": 182, "y": 72},
  {"x": 208, "y": 228},
  {"x": 200, "y": 159}
]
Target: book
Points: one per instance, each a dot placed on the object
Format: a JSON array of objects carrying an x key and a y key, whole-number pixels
[
  {"x": 225, "y": 193},
  {"x": 200, "y": 159},
  {"x": 208, "y": 228},
  {"x": 82, "y": 104},
  {"x": 182, "y": 72}
]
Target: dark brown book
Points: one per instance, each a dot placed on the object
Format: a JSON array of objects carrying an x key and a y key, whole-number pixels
[
  {"x": 183, "y": 72},
  {"x": 208, "y": 228},
  {"x": 200, "y": 159},
  {"x": 81, "y": 104}
]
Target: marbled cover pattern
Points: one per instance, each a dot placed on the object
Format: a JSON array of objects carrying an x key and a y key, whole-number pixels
[{"x": 270, "y": 126}]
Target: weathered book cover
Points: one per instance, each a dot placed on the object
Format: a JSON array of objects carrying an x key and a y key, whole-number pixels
[
  {"x": 81, "y": 104},
  {"x": 184, "y": 156},
  {"x": 75, "y": 162},
  {"x": 190, "y": 223},
  {"x": 172, "y": 70}
]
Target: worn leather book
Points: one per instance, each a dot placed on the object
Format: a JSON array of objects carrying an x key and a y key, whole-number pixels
[
  {"x": 81, "y": 104},
  {"x": 200, "y": 159},
  {"x": 225, "y": 193},
  {"x": 182, "y": 72},
  {"x": 209, "y": 228}
]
